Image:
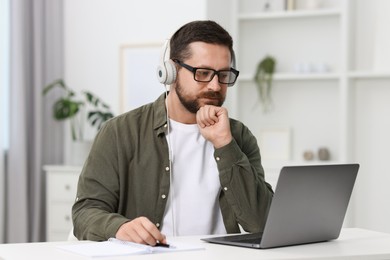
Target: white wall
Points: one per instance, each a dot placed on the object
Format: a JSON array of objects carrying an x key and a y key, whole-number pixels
[
  {"x": 371, "y": 99},
  {"x": 95, "y": 30},
  {"x": 372, "y": 200}
]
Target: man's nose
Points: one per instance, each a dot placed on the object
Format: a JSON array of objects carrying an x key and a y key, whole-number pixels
[{"x": 214, "y": 84}]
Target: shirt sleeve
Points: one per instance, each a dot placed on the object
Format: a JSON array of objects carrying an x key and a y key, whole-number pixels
[
  {"x": 94, "y": 211},
  {"x": 244, "y": 189}
]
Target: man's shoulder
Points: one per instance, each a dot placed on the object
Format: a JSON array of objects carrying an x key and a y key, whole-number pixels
[
  {"x": 143, "y": 110},
  {"x": 240, "y": 130},
  {"x": 138, "y": 116},
  {"x": 236, "y": 124}
]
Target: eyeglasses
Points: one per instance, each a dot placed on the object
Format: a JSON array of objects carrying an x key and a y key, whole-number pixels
[{"x": 207, "y": 75}]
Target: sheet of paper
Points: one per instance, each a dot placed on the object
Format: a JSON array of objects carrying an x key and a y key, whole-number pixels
[
  {"x": 115, "y": 247},
  {"x": 101, "y": 249}
]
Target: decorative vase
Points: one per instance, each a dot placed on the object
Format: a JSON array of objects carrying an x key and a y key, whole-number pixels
[
  {"x": 79, "y": 152},
  {"x": 308, "y": 155},
  {"x": 323, "y": 154}
]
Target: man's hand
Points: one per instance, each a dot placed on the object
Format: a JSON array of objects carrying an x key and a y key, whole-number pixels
[
  {"x": 140, "y": 230},
  {"x": 214, "y": 125}
]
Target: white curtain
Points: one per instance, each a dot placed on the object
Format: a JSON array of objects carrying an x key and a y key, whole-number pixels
[
  {"x": 36, "y": 58},
  {"x": 4, "y": 86}
]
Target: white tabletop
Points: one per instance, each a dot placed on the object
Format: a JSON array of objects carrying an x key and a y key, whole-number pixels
[{"x": 353, "y": 243}]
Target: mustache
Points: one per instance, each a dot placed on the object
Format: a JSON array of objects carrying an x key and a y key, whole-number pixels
[{"x": 211, "y": 94}]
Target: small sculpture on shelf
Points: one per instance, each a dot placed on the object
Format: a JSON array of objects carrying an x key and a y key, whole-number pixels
[
  {"x": 308, "y": 155},
  {"x": 323, "y": 154},
  {"x": 263, "y": 79}
]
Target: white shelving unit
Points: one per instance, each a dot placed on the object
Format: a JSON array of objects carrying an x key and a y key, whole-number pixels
[
  {"x": 310, "y": 37},
  {"x": 369, "y": 74},
  {"x": 288, "y": 14},
  {"x": 295, "y": 76},
  {"x": 344, "y": 108}
]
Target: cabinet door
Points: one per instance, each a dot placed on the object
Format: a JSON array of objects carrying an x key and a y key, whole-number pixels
[{"x": 61, "y": 187}]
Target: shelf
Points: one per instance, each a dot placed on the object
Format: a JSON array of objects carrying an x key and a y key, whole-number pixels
[
  {"x": 369, "y": 74},
  {"x": 296, "y": 76},
  {"x": 289, "y": 14},
  {"x": 277, "y": 165}
]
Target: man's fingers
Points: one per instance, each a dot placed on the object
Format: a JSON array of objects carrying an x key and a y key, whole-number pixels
[
  {"x": 140, "y": 230},
  {"x": 207, "y": 115},
  {"x": 150, "y": 232}
]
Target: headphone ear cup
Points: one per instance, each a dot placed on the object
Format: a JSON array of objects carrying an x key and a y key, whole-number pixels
[
  {"x": 166, "y": 73},
  {"x": 170, "y": 72},
  {"x": 161, "y": 74}
]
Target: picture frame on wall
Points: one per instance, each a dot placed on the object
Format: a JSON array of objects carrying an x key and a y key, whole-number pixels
[
  {"x": 139, "y": 84},
  {"x": 275, "y": 143}
]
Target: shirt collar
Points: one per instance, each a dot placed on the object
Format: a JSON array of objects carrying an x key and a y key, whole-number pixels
[{"x": 160, "y": 115}]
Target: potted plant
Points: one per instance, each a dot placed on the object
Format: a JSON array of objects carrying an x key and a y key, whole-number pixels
[
  {"x": 78, "y": 109},
  {"x": 263, "y": 78},
  {"x": 69, "y": 106}
]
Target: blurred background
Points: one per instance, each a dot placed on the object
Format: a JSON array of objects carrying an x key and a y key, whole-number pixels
[{"x": 324, "y": 100}]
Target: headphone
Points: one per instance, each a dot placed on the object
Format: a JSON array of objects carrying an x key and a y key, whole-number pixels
[{"x": 166, "y": 70}]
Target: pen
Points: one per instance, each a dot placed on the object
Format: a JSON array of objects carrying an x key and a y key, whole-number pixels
[{"x": 161, "y": 244}]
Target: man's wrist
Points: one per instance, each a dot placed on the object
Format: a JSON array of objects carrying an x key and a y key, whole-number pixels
[{"x": 222, "y": 142}]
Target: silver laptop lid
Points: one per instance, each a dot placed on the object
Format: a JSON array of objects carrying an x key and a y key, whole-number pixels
[{"x": 309, "y": 204}]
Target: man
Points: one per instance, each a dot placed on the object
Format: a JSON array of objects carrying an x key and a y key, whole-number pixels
[{"x": 179, "y": 165}]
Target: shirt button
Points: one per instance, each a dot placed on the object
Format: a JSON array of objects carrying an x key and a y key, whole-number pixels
[
  {"x": 165, "y": 125},
  {"x": 225, "y": 188},
  {"x": 167, "y": 168},
  {"x": 218, "y": 158},
  {"x": 163, "y": 196},
  {"x": 157, "y": 224}
]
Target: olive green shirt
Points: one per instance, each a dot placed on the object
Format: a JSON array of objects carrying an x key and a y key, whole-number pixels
[{"x": 126, "y": 175}]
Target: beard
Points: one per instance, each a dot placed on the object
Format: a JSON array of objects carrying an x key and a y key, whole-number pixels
[{"x": 193, "y": 105}]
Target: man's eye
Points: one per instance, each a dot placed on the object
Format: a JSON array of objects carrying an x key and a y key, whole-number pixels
[
  {"x": 223, "y": 75},
  {"x": 203, "y": 73}
]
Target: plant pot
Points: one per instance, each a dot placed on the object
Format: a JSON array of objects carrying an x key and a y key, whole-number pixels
[{"x": 79, "y": 152}]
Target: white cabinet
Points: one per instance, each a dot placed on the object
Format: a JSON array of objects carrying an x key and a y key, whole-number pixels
[{"x": 61, "y": 187}]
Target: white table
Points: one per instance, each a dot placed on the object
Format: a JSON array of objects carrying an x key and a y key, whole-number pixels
[{"x": 353, "y": 243}]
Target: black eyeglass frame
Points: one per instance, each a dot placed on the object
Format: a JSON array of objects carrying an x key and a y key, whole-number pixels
[{"x": 216, "y": 72}]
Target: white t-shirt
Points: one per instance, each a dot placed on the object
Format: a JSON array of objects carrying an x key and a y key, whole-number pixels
[{"x": 196, "y": 184}]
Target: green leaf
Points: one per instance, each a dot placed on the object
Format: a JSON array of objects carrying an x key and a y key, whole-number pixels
[
  {"x": 65, "y": 108},
  {"x": 89, "y": 96},
  {"x": 58, "y": 82},
  {"x": 98, "y": 118}
]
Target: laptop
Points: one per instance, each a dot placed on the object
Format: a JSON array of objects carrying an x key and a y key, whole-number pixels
[{"x": 309, "y": 205}]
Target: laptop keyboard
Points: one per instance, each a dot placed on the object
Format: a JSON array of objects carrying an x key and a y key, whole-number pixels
[{"x": 247, "y": 238}]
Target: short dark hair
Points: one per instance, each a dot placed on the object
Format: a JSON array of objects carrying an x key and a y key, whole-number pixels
[{"x": 198, "y": 31}]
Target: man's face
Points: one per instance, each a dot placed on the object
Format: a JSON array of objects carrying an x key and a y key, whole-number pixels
[{"x": 193, "y": 94}]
